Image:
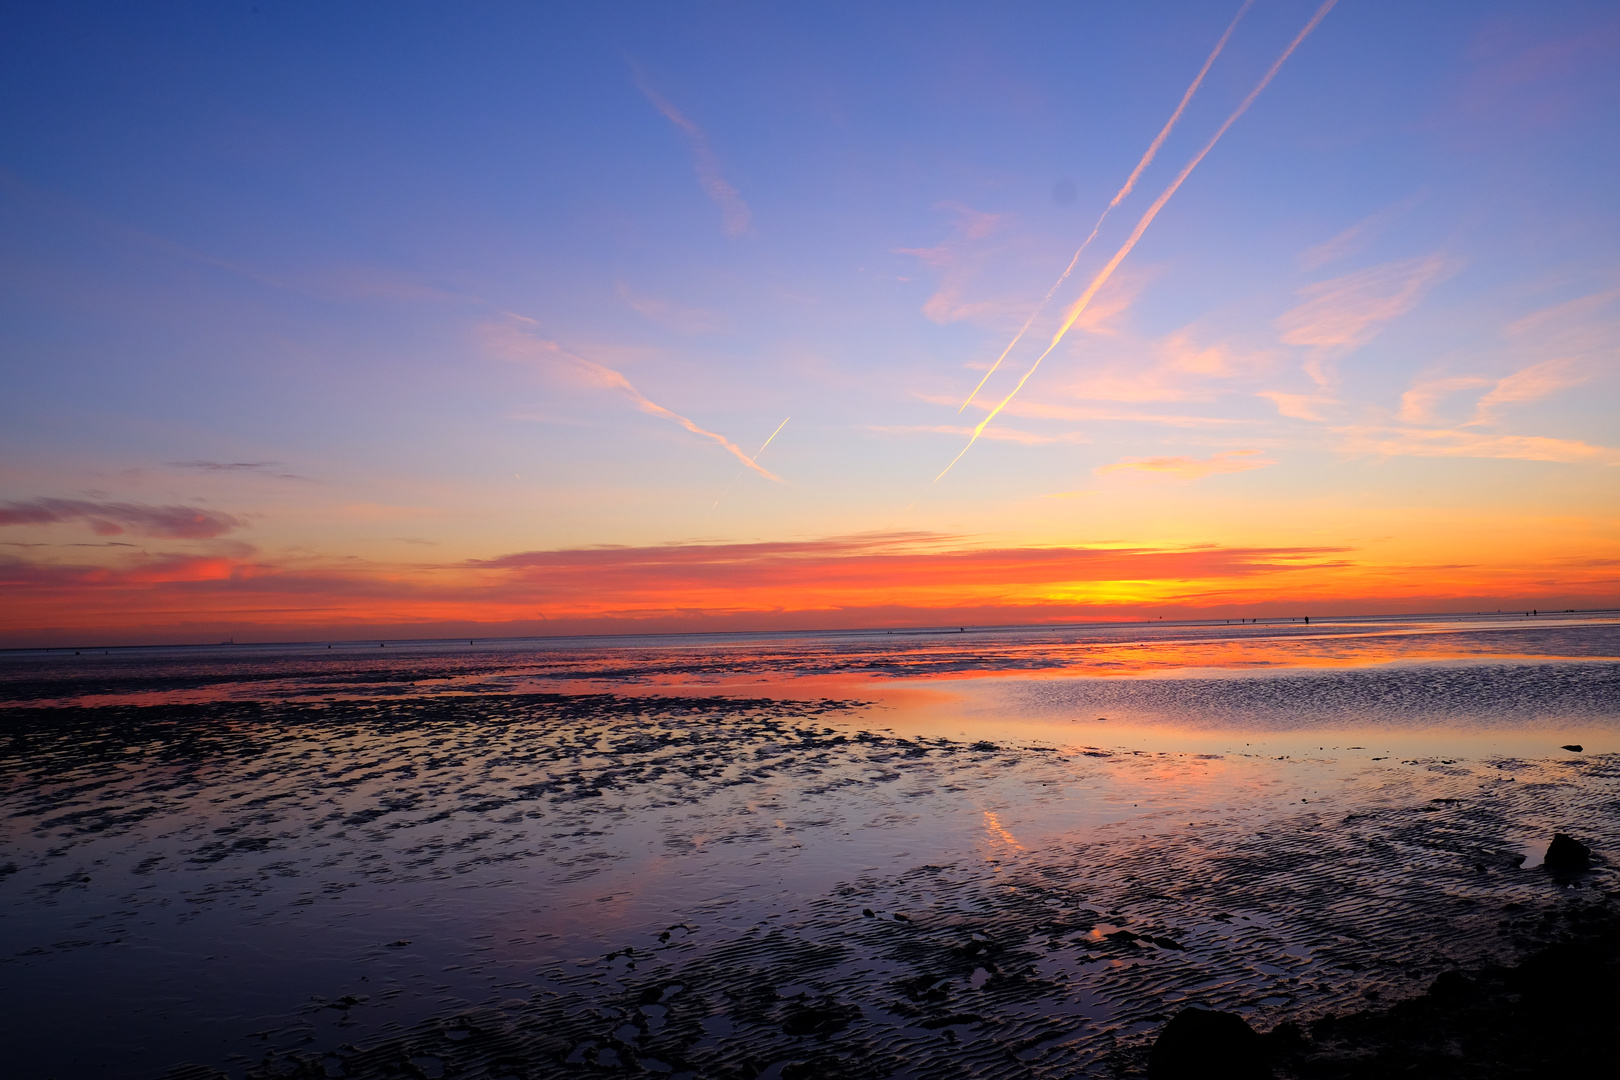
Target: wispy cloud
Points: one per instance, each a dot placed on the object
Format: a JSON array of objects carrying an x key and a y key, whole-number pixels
[
  {"x": 1357, "y": 238},
  {"x": 1178, "y": 367},
  {"x": 1189, "y": 468},
  {"x": 1530, "y": 73},
  {"x": 113, "y": 518},
  {"x": 971, "y": 223},
  {"x": 958, "y": 259},
  {"x": 1299, "y": 406},
  {"x": 1431, "y": 442},
  {"x": 667, "y": 313},
  {"x": 1534, "y": 382},
  {"x": 1573, "y": 326},
  {"x": 516, "y": 339},
  {"x": 1341, "y": 315},
  {"x": 735, "y": 216},
  {"x": 1418, "y": 404}
]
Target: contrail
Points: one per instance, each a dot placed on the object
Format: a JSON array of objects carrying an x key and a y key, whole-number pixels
[
  {"x": 1130, "y": 182},
  {"x": 614, "y": 379},
  {"x": 1141, "y": 227},
  {"x": 606, "y": 376},
  {"x": 773, "y": 435},
  {"x": 758, "y": 452}
]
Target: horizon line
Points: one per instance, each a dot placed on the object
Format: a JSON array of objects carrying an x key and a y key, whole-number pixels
[{"x": 941, "y": 628}]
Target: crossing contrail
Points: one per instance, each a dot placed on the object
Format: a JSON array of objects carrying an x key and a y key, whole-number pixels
[
  {"x": 1107, "y": 271},
  {"x": 1130, "y": 182},
  {"x": 521, "y": 340},
  {"x": 773, "y": 435},
  {"x": 751, "y": 462},
  {"x": 614, "y": 379}
]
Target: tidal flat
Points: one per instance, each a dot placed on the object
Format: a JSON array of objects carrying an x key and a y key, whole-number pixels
[{"x": 980, "y": 853}]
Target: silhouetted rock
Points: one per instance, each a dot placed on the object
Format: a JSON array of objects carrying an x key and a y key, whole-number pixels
[
  {"x": 1567, "y": 853},
  {"x": 1205, "y": 1044},
  {"x": 1574, "y": 746},
  {"x": 1286, "y": 1038},
  {"x": 1550, "y": 1015},
  {"x": 1452, "y": 986}
]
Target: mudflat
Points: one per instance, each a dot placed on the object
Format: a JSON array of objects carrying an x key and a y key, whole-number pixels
[{"x": 210, "y": 878}]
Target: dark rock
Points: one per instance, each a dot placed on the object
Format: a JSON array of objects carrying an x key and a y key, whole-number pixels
[
  {"x": 1205, "y": 1044},
  {"x": 1452, "y": 986},
  {"x": 1550, "y": 1015},
  {"x": 1567, "y": 853},
  {"x": 1573, "y": 747},
  {"x": 1286, "y": 1038}
]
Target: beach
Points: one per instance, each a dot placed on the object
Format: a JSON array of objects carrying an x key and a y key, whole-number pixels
[{"x": 988, "y": 853}]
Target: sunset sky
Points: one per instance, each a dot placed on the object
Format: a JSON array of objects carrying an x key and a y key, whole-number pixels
[{"x": 327, "y": 320}]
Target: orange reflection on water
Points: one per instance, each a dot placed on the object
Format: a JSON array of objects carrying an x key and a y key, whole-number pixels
[
  {"x": 1114, "y": 650},
  {"x": 998, "y": 833}
]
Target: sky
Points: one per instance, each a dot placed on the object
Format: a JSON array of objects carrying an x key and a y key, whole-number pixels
[{"x": 336, "y": 320}]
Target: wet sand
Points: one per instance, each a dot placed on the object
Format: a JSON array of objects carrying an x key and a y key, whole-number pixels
[{"x": 978, "y": 880}]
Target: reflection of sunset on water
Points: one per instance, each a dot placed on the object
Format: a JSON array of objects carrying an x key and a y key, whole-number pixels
[
  {"x": 806, "y": 541},
  {"x": 547, "y": 826},
  {"x": 999, "y": 837}
]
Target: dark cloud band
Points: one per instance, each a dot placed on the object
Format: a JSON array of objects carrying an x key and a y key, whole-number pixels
[{"x": 112, "y": 518}]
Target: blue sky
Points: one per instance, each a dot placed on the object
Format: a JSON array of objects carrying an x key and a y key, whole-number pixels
[{"x": 386, "y": 263}]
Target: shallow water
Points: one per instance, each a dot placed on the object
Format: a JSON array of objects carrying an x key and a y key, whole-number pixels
[{"x": 628, "y": 856}]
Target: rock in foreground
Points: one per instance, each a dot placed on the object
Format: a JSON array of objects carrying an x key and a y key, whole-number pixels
[
  {"x": 1208, "y": 1045},
  {"x": 1567, "y": 853}
]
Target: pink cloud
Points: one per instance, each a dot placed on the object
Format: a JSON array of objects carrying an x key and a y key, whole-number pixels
[{"x": 1343, "y": 314}]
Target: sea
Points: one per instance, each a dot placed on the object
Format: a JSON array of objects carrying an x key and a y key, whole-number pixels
[{"x": 951, "y": 851}]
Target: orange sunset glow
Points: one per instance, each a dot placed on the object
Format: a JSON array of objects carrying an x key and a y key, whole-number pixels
[
  {"x": 786, "y": 540},
  {"x": 875, "y": 333},
  {"x": 857, "y": 581}
]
